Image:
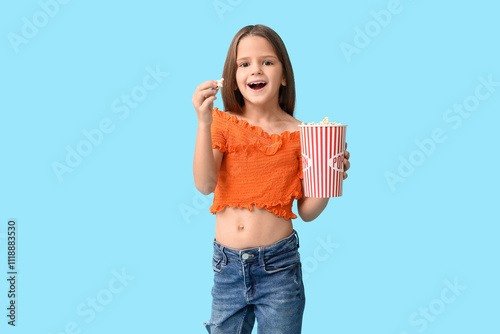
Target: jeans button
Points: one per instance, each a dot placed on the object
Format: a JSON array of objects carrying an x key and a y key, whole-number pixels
[{"x": 245, "y": 256}]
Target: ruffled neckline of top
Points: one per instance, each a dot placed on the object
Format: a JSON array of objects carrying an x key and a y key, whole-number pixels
[{"x": 257, "y": 129}]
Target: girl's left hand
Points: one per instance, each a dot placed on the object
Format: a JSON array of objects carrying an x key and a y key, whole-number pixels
[{"x": 347, "y": 164}]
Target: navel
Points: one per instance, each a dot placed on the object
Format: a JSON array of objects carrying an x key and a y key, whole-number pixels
[{"x": 241, "y": 227}]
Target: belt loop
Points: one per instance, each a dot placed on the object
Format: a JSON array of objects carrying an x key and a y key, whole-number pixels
[
  {"x": 224, "y": 257},
  {"x": 261, "y": 256},
  {"x": 297, "y": 238}
]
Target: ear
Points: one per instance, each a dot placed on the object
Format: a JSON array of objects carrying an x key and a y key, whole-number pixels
[{"x": 283, "y": 81}]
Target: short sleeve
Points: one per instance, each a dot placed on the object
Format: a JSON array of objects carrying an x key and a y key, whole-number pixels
[{"x": 218, "y": 130}]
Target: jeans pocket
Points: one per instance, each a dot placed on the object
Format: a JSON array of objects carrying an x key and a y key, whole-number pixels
[
  {"x": 279, "y": 262},
  {"x": 217, "y": 265}
]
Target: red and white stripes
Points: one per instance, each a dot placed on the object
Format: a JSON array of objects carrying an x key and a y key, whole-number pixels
[{"x": 322, "y": 154}]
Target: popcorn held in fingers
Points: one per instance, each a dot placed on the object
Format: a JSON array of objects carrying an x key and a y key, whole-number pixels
[
  {"x": 326, "y": 121},
  {"x": 220, "y": 83}
]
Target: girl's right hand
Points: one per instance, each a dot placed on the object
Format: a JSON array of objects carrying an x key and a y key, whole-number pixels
[{"x": 203, "y": 101}]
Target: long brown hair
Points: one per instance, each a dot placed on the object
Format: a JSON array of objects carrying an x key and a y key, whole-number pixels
[{"x": 233, "y": 100}]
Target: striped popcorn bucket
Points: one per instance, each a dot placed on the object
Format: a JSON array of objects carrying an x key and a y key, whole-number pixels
[{"x": 322, "y": 149}]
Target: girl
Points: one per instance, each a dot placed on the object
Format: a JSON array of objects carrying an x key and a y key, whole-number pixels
[{"x": 249, "y": 156}]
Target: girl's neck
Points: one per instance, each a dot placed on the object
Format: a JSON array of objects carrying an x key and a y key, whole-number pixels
[{"x": 262, "y": 113}]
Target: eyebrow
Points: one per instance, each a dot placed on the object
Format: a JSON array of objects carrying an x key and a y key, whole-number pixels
[{"x": 266, "y": 56}]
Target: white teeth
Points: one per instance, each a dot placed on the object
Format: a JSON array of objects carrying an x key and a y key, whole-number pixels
[{"x": 259, "y": 82}]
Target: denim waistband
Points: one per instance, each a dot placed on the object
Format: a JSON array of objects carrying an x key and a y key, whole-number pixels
[{"x": 249, "y": 254}]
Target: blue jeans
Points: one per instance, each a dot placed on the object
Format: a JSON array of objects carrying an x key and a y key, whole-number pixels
[{"x": 263, "y": 283}]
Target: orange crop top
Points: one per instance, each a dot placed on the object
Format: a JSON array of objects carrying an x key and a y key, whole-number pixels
[{"x": 257, "y": 168}]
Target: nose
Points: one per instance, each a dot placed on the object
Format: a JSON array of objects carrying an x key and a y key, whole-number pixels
[{"x": 256, "y": 68}]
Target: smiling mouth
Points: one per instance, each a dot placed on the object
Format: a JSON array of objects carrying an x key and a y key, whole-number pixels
[{"x": 257, "y": 85}]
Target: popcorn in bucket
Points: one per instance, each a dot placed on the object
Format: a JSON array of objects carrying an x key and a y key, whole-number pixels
[{"x": 322, "y": 147}]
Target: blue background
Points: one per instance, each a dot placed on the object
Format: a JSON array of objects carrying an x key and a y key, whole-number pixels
[{"x": 374, "y": 261}]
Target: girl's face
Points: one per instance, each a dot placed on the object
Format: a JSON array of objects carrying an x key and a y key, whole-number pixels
[{"x": 259, "y": 73}]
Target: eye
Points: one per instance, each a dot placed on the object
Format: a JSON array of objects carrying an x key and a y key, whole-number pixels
[
  {"x": 268, "y": 63},
  {"x": 243, "y": 64}
]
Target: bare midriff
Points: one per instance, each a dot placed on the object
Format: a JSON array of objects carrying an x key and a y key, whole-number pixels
[{"x": 242, "y": 228}]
